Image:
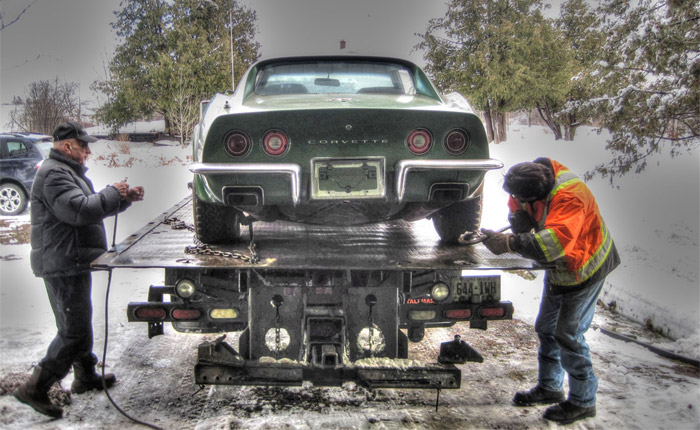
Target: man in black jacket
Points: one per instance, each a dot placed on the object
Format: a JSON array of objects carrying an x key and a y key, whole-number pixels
[{"x": 67, "y": 234}]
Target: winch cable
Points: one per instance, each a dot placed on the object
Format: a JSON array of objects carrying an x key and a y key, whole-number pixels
[{"x": 104, "y": 351}]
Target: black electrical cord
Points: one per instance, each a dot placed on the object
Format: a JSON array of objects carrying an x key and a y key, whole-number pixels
[{"x": 104, "y": 351}]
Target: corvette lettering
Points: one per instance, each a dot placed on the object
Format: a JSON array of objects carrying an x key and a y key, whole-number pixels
[{"x": 344, "y": 141}]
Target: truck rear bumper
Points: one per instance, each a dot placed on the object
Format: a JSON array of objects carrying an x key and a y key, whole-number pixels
[{"x": 219, "y": 363}]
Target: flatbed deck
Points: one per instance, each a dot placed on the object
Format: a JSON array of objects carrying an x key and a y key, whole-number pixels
[{"x": 284, "y": 245}]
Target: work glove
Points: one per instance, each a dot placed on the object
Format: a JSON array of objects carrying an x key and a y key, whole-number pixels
[
  {"x": 521, "y": 222},
  {"x": 498, "y": 243}
]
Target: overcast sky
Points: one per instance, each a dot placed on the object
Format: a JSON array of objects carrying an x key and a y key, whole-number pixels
[{"x": 72, "y": 39}]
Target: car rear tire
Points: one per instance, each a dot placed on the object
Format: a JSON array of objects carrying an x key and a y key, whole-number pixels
[
  {"x": 450, "y": 222},
  {"x": 13, "y": 201},
  {"x": 215, "y": 223}
]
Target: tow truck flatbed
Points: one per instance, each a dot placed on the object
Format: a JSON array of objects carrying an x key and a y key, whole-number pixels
[{"x": 285, "y": 245}]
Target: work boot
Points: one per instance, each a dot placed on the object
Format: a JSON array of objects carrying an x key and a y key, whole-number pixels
[
  {"x": 35, "y": 393},
  {"x": 566, "y": 412},
  {"x": 85, "y": 378},
  {"x": 537, "y": 396}
]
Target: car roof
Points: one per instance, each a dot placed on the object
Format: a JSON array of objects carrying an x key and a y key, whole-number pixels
[{"x": 30, "y": 136}]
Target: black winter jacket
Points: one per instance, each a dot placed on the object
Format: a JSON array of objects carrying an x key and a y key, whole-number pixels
[{"x": 66, "y": 214}]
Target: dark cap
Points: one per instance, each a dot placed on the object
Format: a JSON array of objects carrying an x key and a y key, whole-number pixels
[
  {"x": 71, "y": 130},
  {"x": 529, "y": 180}
]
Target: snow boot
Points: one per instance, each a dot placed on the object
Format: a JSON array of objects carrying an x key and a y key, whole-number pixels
[
  {"x": 35, "y": 393},
  {"x": 538, "y": 396},
  {"x": 566, "y": 412},
  {"x": 86, "y": 378}
]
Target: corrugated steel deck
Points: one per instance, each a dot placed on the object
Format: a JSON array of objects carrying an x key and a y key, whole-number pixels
[{"x": 284, "y": 245}]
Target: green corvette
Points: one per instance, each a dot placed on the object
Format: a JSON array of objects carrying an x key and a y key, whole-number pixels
[{"x": 337, "y": 140}]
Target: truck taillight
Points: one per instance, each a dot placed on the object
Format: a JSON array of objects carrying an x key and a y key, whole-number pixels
[
  {"x": 150, "y": 313},
  {"x": 458, "y": 314},
  {"x": 418, "y": 315},
  {"x": 492, "y": 312},
  {"x": 186, "y": 314}
]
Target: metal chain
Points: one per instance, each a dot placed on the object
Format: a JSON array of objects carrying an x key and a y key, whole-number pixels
[
  {"x": 371, "y": 333},
  {"x": 278, "y": 340},
  {"x": 201, "y": 248}
]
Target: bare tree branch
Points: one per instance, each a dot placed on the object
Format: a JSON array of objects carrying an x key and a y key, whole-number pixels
[{"x": 2, "y": 17}]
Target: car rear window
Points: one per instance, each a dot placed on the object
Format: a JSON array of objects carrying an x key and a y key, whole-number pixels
[
  {"x": 44, "y": 147},
  {"x": 335, "y": 77}
]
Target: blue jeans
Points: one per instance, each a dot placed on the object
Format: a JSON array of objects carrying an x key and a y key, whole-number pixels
[{"x": 560, "y": 325}]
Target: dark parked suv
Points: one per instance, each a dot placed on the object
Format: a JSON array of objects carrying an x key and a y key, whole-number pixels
[{"x": 20, "y": 157}]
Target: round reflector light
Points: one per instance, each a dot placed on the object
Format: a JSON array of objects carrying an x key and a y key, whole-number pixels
[
  {"x": 185, "y": 288},
  {"x": 275, "y": 142},
  {"x": 419, "y": 141},
  {"x": 440, "y": 291},
  {"x": 456, "y": 142},
  {"x": 237, "y": 143}
]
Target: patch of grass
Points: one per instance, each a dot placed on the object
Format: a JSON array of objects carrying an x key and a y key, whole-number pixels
[
  {"x": 14, "y": 235},
  {"x": 12, "y": 381}
]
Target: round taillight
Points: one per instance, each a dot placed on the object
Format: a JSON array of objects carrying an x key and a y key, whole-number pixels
[
  {"x": 275, "y": 142},
  {"x": 237, "y": 143},
  {"x": 456, "y": 142},
  {"x": 419, "y": 141}
]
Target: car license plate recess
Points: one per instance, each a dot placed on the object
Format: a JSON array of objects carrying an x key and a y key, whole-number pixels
[
  {"x": 348, "y": 179},
  {"x": 476, "y": 289}
]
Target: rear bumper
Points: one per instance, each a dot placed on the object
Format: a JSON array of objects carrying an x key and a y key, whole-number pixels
[{"x": 402, "y": 172}]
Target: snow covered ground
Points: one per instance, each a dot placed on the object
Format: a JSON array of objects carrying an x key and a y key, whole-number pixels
[{"x": 653, "y": 217}]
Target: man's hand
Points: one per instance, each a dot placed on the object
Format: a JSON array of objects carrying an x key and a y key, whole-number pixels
[
  {"x": 135, "y": 194},
  {"x": 521, "y": 222},
  {"x": 498, "y": 243},
  {"x": 123, "y": 189}
]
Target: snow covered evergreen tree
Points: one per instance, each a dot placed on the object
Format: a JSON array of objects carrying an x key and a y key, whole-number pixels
[
  {"x": 652, "y": 57},
  {"x": 501, "y": 54}
]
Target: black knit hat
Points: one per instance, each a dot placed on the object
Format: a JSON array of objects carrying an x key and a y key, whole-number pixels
[
  {"x": 72, "y": 130},
  {"x": 530, "y": 181}
]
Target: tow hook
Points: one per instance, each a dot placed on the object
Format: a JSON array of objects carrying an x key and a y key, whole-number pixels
[{"x": 458, "y": 352}]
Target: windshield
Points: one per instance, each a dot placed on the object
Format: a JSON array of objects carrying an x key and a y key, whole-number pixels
[{"x": 335, "y": 77}]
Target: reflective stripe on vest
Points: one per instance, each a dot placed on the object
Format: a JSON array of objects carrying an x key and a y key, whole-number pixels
[{"x": 553, "y": 250}]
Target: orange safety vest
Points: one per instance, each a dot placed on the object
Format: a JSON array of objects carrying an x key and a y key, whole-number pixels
[{"x": 572, "y": 234}]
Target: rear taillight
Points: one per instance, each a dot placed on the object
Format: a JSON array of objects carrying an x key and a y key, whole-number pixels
[
  {"x": 419, "y": 141},
  {"x": 492, "y": 312},
  {"x": 275, "y": 142},
  {"x": 458, "y": 314},
  {"x": 237, "y": 143},
  {"x": 186, "y": 314},
  {"x": 456, "y": 142},
  {"x": 150, "y": 313}
]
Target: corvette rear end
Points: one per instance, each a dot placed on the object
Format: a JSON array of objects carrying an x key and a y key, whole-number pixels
[{"x": 337, "y": 141}]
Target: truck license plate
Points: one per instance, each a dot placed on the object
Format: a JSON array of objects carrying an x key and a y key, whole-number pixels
[{"x": 477, "y": 289}]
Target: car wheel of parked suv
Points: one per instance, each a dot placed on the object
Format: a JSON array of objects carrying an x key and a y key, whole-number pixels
[
  {"x": 215, "y": 223},
  {"x": 13, "y": 201},
  {"x": 452, "y": 221}
]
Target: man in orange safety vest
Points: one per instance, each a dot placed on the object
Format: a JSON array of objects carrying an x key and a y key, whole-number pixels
[{"x": 555, "y": 220}]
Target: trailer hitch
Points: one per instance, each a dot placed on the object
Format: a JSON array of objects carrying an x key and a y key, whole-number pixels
[{"x": 458, "y": 352}]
